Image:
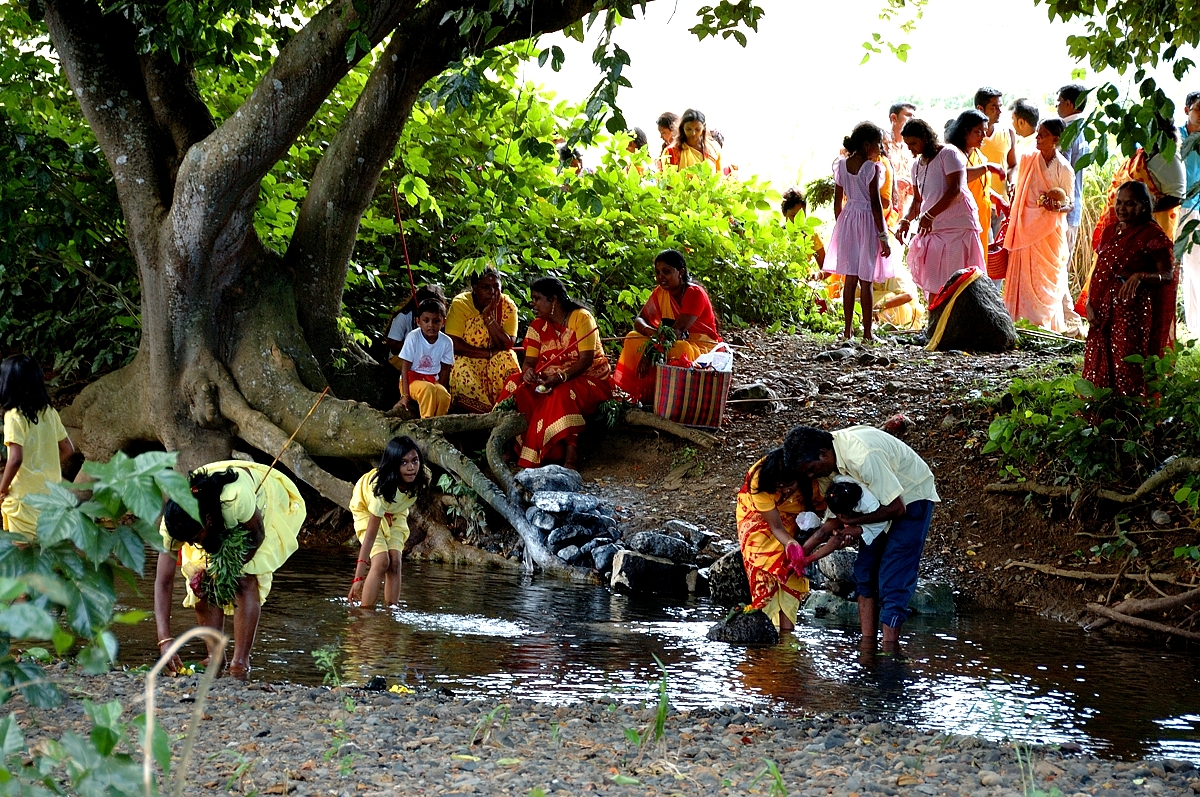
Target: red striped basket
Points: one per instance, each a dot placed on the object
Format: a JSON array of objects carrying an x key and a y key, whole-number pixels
[{"x": 691, "y": 396}]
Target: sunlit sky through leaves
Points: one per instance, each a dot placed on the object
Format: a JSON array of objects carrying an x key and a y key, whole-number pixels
[{"x": 785, "y": 101}]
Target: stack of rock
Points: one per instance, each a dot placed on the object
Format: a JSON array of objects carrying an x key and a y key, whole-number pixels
[
  {"x": 667, "y": 561},
  {"x": 578, "y": 528}
]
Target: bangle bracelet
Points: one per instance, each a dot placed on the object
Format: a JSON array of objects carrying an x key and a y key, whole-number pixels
[
  {"x": 362, "y": 561},
  {"x": 161, "y": 642},
  {"x": 358, "y": 579}
]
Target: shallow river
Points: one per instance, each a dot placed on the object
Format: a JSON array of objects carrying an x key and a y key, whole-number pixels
[{"x": 484, "y": 633}]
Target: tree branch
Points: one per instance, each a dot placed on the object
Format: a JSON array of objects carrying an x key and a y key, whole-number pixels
[
  {"x": 636, "y": 417},
  {"x": 1085, "y": 575},
  {"x": 1181, "y": 466},
  {"x": 1138, "y": 622},
  {"x": 511, "y": 425},
  {"x": 176, "y": 103}
]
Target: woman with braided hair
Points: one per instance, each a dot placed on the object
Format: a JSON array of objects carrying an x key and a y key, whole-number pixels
[{"x": 249, "y": 517}]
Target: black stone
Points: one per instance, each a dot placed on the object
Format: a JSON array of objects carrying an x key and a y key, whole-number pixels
[
  {"x": 745, "y": 628},
  {"x": 635, "y": 572},
  {"x": 663, "y": 546},
  {"x": 568, "y": 535},
  {"x": 978, "y": 322},
  {"x": 755, "y": 397},
  {"x": 727, "y": 580},
  {"x": 377, "y": 684},
  {"x": 550, "y": 477},
  {"x": 602, "y": 557}
]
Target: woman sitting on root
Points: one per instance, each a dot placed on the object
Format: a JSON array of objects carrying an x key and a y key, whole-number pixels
[
  {"x": 249, "y": 518},
  {"x": 678, "y": 303},
  {"x": 482, "y": 322},
  {"x": 564, "y": 376}
]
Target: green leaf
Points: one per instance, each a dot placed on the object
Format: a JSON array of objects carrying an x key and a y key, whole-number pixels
[
  {"x": 624, "y": 780},
  {"x": 131, "y": 617},
  {"x": 11, "y": 588},
  {"x": 129, "y": 549},
  {"x": 35, "y": 687},
  {"x": 63, "y": 640},
  {"x": 26, "y": 621},
  {"x": 161, "y": 746},
  {"x": 11, "y": 738}
]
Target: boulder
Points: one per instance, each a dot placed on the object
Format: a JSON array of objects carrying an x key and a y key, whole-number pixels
[
  {"x": 663, "y": 546},
  {"x": 838, "y": 572},
  {"x": 568, "y": 553},
  {"x": 539, "y": 519},
  {"x": 828, "y": 605},
  {"x": 590, "y": 520},
  {"x": 745, "y": 628},
  {"x": 634, "y": 572},
  {"x": 932, "y": 597},
  {"x": 697, "y": 582},
  {"x": 562, "y": 502},
  {"x": 727, "y": 580},
  {"x": 568, "y": 535},
  {"x": 722, "y": 547},
  {"x": 754, "y": 397},
  {"x": 550, "y": 478},
  {"x": 682, "y": 527},
  {"x": 602, "y": 557},
  {"x": 978, "y": 320}
]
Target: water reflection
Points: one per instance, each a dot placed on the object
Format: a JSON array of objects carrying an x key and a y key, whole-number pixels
[{"x": 499, "y": 634}]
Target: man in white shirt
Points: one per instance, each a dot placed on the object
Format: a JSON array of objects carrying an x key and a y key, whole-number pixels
[{"x": 885, "y": 571}]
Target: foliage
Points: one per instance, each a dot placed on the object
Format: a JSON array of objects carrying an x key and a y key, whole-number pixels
[
  {"x": 1068, "y": 431},
  {"x": 68, "y": 287},
  {"x": 1131, "y": 36},
  {"x": 62, "y": 589},
  {"x": 466, "y": 505},
  {"x": 479, "y": 187},
  {"x": 326, "y": 659},
  {"x": 224, "y": 572}
]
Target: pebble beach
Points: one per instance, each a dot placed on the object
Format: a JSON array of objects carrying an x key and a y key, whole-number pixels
[{"x": 259, "y": 738}]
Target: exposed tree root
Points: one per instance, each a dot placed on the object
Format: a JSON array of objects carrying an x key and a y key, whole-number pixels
[
  {"x": 1147, "y": 605},
  {"x": 1084, "y": 575},
  {"x": 1138, "y": 622},
  {"x": 438, "y": 544},
  {"x": 1182, "y": 466},
  {"x": 636, "y": 417},
  {"x": 510, "y": 425}
]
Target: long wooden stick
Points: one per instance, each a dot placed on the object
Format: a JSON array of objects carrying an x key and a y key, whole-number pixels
[
  {"x": 1138, "y": 622},
  {"x": 299, "y": 426}
]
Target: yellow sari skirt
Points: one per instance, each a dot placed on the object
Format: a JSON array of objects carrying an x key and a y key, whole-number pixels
[{"x": 641, "y": 388}]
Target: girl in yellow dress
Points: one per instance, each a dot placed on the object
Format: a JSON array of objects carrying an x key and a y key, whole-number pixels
[
  {"x": 379, "y": 505},
  {"x": 254, "y": 510},
  {"x": 37, "y": 443}
]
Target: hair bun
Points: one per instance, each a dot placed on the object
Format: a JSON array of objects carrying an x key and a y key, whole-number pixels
[{"x": 847, "y": 143}]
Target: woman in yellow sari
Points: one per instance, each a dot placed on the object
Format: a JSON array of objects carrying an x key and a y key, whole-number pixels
[
  {"x": 482, "y": 322},
  {"x": 695, "y": 145},
  {"x": 260, "y": 511},
  {"x": 1037, "y": 233},
  {"x": 682, "y": 305},
  {"x": 771, "y": 500},
  {"x": 563, "y": 379}
]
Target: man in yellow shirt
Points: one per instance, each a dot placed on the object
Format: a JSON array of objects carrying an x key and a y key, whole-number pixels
[
  {"x": 999, "y": 143},
  {"x": 885, "y": 571}
]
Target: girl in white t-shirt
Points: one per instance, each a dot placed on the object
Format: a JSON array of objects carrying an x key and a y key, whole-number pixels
[{"x": 425, "y": 362}]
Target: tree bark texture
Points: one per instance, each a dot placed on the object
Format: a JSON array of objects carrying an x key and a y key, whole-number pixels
[{"x": 236, "y": 338}]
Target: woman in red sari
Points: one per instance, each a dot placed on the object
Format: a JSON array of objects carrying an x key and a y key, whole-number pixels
[
  {"x": 1131, "y": 302},
  {"x": 771, "y": 500},
  {"x": 680, "y": 304},
  {"x": 563, "y": 379}
]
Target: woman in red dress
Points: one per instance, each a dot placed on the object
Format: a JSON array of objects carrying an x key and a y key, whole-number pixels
[
  {"x": 1131, "y": 302},
  {"x": 563, "y": 379}
]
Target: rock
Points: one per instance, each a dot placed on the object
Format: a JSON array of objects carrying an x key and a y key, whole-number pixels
[
  {"x": 727, "y": 580},
  {"x": 568, "y": 535},
  {"x": 756, "y": 397},
  {"x": 554, "y": 478},
  {"x": 592, "y": 545},
  {"x": 635, "y": 572},
  {"x": 977, "y": 322},
  {"x": 568, "y": 553},
  {"x": 988, "y": 777},
  {"x": 1160, "y": 518},
  {"x": 654, "y": 544},
  {"x": 697, "y": 582},
  {"x": 932, "y": 597},
  {"x": 722, "y": 547},
  {"x": 745, "y": 628},
  {"x": 606, "y": 509},
  {"x": 559, "y": 502},
  {"x": 590, "y": 520},
  {"x": 602, "y": 557},
  {"x": 539, "y": 519},
  {"x": 828, "y": 605},
  {"x": 834, "y": 355},
  {"x": 685, "y": 529},
  {"x": 838, "y": 570}
]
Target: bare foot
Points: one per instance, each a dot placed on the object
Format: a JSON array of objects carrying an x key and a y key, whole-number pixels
[
  {"x": 571, "y": 457},
  {"x": 240, "y": 672}
]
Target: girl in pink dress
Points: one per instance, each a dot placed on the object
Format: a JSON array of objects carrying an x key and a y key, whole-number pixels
[
  {"x": 859, "y": 249},
  {"x": 947, "y": 237}
]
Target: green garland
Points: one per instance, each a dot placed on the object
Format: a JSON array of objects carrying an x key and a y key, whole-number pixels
[{"x": 225, "y": 567}]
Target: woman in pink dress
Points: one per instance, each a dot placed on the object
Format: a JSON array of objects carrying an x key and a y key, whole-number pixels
[
  {"x": 859, "y": 249},
  {"x": 947, "y": 237}
]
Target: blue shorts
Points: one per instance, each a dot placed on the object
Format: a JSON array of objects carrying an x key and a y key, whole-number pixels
[{"x": 887, "y": 568}]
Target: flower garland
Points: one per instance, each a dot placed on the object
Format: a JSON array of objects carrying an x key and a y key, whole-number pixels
[{"x": 654, "y": 350}]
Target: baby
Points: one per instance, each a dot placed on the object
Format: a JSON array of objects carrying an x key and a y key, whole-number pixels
[{"x": 846, "y": 497}]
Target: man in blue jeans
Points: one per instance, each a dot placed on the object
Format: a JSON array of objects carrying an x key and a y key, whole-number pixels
[{"x": 886, "y": 570}]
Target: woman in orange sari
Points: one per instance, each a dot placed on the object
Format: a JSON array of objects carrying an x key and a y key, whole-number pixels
[
  {"x": 1131, "y": 307},
  {"x": 678, "y": 303},
  {"x": 771, "y": 500},
  {"x": 1037, "y": 233},
  {"x": 563, "y": 379}
]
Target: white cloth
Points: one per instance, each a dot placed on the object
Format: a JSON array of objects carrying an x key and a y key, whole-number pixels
[
  {"x": 867, "y": 504},
  {"x": 425, "y": 357},
  {"x": 402, "y": 324},
  {"x": 1169, "y": 174}
]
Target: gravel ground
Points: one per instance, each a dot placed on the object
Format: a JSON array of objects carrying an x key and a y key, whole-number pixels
[{"x": 286, "y": 739}]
